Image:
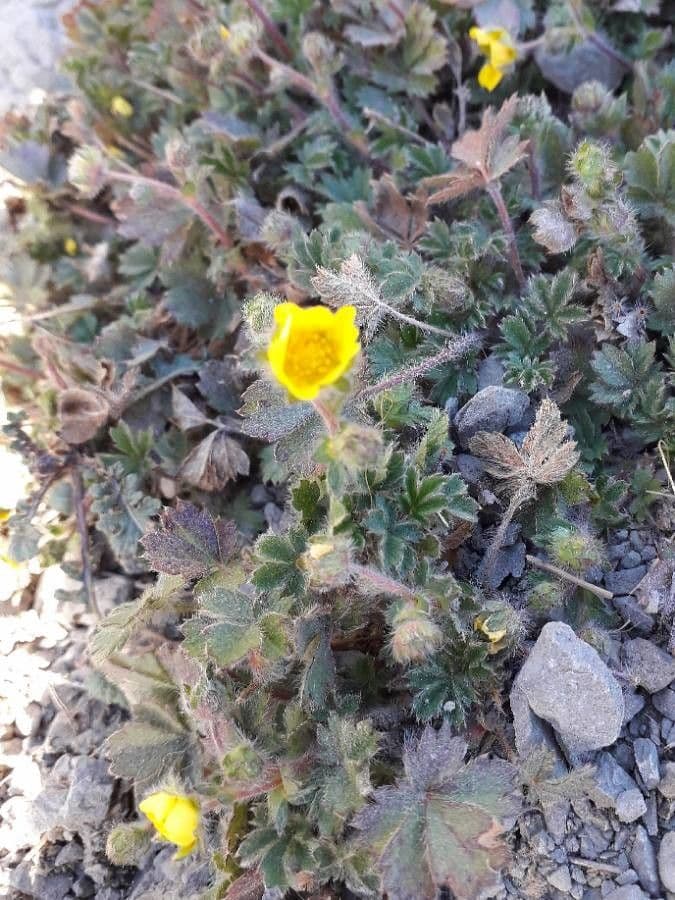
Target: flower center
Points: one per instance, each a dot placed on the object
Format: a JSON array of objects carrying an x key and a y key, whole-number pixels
[{"x": 310, "y": 356}]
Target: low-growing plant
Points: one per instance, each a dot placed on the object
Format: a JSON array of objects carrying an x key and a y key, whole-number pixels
[{"x": 257, "y": 261}]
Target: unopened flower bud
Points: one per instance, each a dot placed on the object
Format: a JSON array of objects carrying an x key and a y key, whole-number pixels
[
  {"x": 177, "y": 154},
  {"x": 593, "y": 167},
  {"x": 499, "y": 622},
  {"x": 259, "y": 315},
  {"x": 127, "y": 844},
  {"x": 327, "y": 561},
  {"x": 241, "y": 763},
  {"x": 88, "y": 170},
  {"x": 415, "y": 636},
  {"x": 205, "y": 43},
  {"x": 357, "y": 447},
  {"x": 589, "y": 98},
  {"x": 320, "y": 53}
]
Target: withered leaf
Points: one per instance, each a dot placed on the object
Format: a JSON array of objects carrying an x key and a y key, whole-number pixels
[
  {"x": 81, "y": 413},
  {"x": 441, "y": 826},
  {"x": 545, "y": 457},
  {"x": 189, "y": 541},
  {"x": 186, "y": 414},
  {"x": 485, "y": 155},
  {"x": 552, "y": 228},
  {"x": 214, "y": 461},
  {"x": 394, "y": 216}
]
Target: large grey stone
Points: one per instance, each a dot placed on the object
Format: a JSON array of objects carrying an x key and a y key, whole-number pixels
[
  {"x": 567, "y": 684},
  {"x": 625, "y": 580},
  {"x": 494, "y": 408},
  {"x": 667, "y": 783},
  {"x": 647, "y": 665},
  {"x": 583, "y": 62},
  {"x": 627, "y": 892},
  {"x": 664, "y": 701},
  {"x": 89, "y": 794},
  {"x": 667, "y": 861}
]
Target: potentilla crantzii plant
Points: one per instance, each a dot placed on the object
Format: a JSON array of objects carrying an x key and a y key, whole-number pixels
[{"x": 345, "y": 331}]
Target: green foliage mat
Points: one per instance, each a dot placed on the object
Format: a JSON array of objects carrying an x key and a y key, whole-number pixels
[{"x": 338, "y": 682}]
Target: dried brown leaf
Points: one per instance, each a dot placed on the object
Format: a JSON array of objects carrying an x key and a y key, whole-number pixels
[
  {"x": 81, "y": 413},
  {"x": 499, "y": 455},
  {"x": 393, "y": 215},
  {"x": 548, "y": 455},
  {"x": 214, "y": 461}
]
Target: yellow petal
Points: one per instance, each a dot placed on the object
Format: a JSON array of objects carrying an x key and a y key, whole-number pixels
[
  {"x": 312, "y": 347},
  {"x": 224, "y": 32},
  {"x": 120, "y": 106},
  {"x": 489, "y": 77},
  {"x": 175, "y": 818},
  {"x": 502, "y": 54},
  {"x": 70, "y": 246},
  {"x": 480, "y": 36}
]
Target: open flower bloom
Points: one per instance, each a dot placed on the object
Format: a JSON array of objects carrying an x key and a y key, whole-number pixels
[
  {"x": 121, "y": 107},
  {"x": 497, "y": 45},
  {"x": 313, "y": 347},
  {"x": 175, "y": 818}
]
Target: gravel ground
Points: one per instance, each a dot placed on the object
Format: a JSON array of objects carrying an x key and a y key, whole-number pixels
[{"x": 32, "y": 42}]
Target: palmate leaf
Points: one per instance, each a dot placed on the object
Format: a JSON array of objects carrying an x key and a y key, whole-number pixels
[
  {"x": 189, "y": 541},
  {"x": 441, "y": 825},
  {"x": 621, "y": 374},
  {"x": 149, "y": 746}
]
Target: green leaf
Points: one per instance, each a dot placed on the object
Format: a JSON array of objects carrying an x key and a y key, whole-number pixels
[
  {"x": 440, "y": 826},
  {"x": 621, "y": 373},
  {"x": 306, "y": 499},
  {"x": 663, "y": 297},
  {"x": 458, "y": 502},
  {"x": 226, "y": 628},
  {"x": 312, "y": 638},
  {"x": 650, "y": 176},
  {"x": 148, "y": 747},
  {"x": 424, "y": 497},
  {"x": 279, "y": 570}
]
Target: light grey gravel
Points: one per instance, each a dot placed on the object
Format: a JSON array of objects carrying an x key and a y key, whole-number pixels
[
  {"x": 667, "y": 861},
  {"x": 643, "y": 860},
  {"x": 647, "y": 761},
  {"x": 630, "y": 805}
]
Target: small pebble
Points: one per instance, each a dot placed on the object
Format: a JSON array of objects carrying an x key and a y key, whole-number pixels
[
  {"x": 648, "y": 553},
  {"x": 647, "y": 762},
  {"x": 631, "y": 559},
  {"x": 630, "y": 805}
]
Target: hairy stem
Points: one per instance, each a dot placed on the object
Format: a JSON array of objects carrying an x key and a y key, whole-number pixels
[
  {"x": 270, "y": 27},
  {"x": 382, "y": 583},
  {"x": 87, "y": 578},
  {"x": 567, "y": 576},
  {"x": 494, "y": 190},
  {"x": 330, "y": 420},
  {"x": 523, "y": 493},
  {"x": 454, "y": 351}
]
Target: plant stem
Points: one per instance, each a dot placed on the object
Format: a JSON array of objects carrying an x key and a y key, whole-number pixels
[
  {"x": 272, "y": 30},
  {"x": 330, "y": 420},
  {"x": 19, "y": 370},
  {"x": 567, "y": 576},
  {"x": 169, "y": 190},
  {"x": 87, "y": 579},
  {"x": 524, "y": 492},
  {"x": 455, "y": 350},
  {"x": 494, "y": 190},
  {"x": 329, "y": 100},
  {"x": 401, "y": 129},
  {"x": 382, "y": 583},
  {"x": 411, "y": 320}
]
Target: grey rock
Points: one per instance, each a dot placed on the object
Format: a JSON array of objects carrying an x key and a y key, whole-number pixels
[
  {"x": 636, "y": 539},
  {"x": 628, "y": 876},
  {"x": 470, "y": 467},
  {"x": 621, "y": 534},
  {"x": 631, "y": 611},
  {"x": 490, "y": 372},
  {"x": 643, "y": 860},
  {"x": 630, "y": 805},
  {"x": 494, "y": 408},
  {"x": 560, "y": 879},
  {"x": 648, "y": 553},
  {"x": 650, "y": 818},
  {"x": 260, "y": 495},
  {"x": 667, "y": 861},
  {"x": 89, "y": 795},
  {"x": 451, "y": 406},
  {"x": 610, "y": 781},
  {"x": 631, "y": 560},
  {"x": 567, "y": 684},
  {"x": 647, "y": 665},
  {"x": 667, "y": 783},
  {"x": 111, "y": 591},
  {"x": 627, "y": 892},
  {"x": 593, "y": 841},
  {"x": 664, "y": 701},
  {"x": 583, "y": 62},
  {"x": 25, "y": 879},
  {"x": 617, "y": 551},
  {"x": 647, "y": 761},
  {"x": 508, "y": 561},
  {"x": 625, "y": 580},
  {"x": 634, "y": 703}
]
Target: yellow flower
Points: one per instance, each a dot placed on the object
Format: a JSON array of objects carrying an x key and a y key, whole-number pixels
[
  {"x": 224, "y": 32},
  {"x": 494, "y": 635},
  {"x": 121, "y": 107},
  {"x": 497, "y": 45},
  {"x": 312, "y": 348},
  {"x": 175, "y": 817},
  {"x": 70, "y": 246}
]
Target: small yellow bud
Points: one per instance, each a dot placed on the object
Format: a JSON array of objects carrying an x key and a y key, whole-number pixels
[
  {"x": 121, "y": 107},
  {"x": 224, "y": 32},
  {"x": 70, "y": 246},
  {"x": 327, "y": 561}
]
